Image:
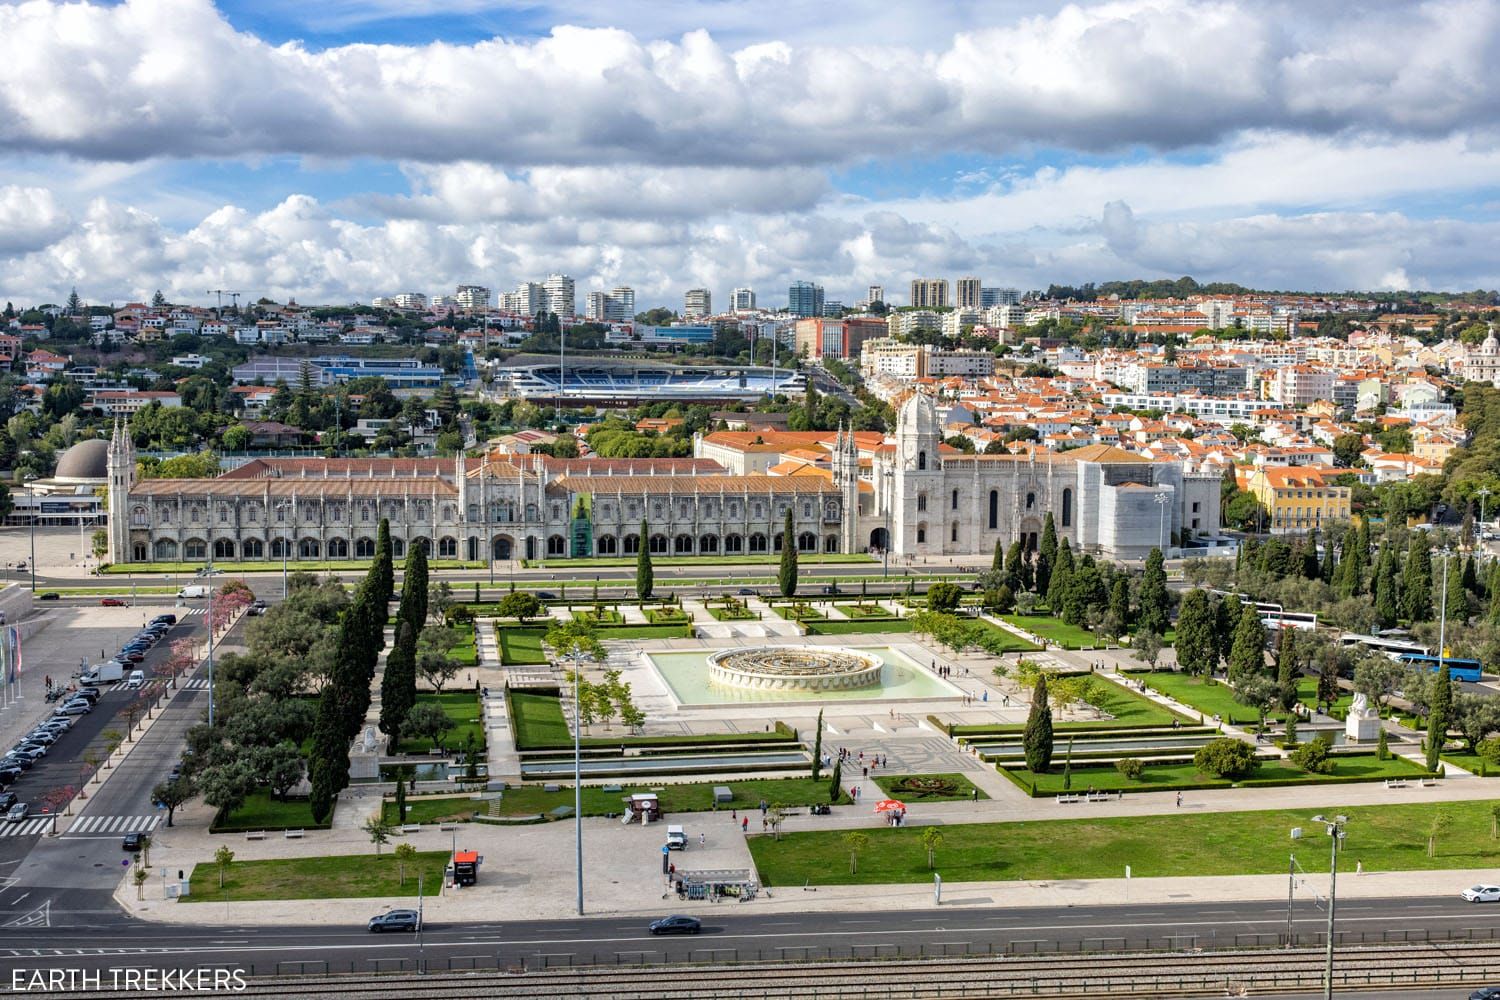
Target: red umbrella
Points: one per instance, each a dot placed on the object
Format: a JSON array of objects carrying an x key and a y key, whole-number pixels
[{"x": 890, "y": 805}]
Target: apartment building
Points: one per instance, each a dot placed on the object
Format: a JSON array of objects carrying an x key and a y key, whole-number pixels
[
  {"x": 742, "y": 300},
  {"x": 804, "y": 299},
  {"x": 904, "y": 324},
  {"x": 891, "y": 358},
  {"x": 929, "y": 293},
  {"x": 473, "y": 298},
  {"x": 697, "y": 303},
  {"x": 560, "y": 296},
  {"x": 968, "y": 292},
  {"x": 1299, "y": 499},
  {"x": 1300, "y": 385}
]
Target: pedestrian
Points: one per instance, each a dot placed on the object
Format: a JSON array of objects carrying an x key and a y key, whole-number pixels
[
  {"x": 1179, "y": 800},
  {"x": 865, "y": 771},
  {"x": 1359, "y": 867},
  {"x": 744, "y": 824},
  {"x": 734, "y": 814},
  {"x": 976, "y": 795},
  {"x": 763, "y": 807}
]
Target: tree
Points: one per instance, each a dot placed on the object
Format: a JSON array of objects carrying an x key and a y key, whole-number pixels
[
  {"x": 1155, "y": 614},
  {"x": 944, "y": 597},
  {"x": 932, "y": 839},
  {"x": 997, "y": 561},
  {"x": 1455, "y": 596},
  {"x": 223, "y": 858},
  {"x": 280, "y": 766},
  {"x": 644, "y": 577},
  {"x": 786, "y": 575},
  {"x": 401, "y": 797},
  {"x": 521, "y": 604},
  {"x": 1386, "y": 587},
  {"x": 398, "y": 686},
  {"x": 1062, "y": 571},
  {"x": 835, "y": 782},
  {"x": 434, "y": 662},
  {"x": 1197, "y": 652},
  {"x": 1313, "y": 757},
  {"x": 1147, "y": 647},
  {"x": 1286, "y": 669},
  {"x": 1258, "y": 692},
  {"x": 429, "y": 719},
  {"x": 405, "y": 855},
  {"x": 414, "y": 584},
  {"x": 1442, "y": 822},
  {"x": 1377, "y": 678},
  {"x": 440, "y": 601},
  {"x": 817, "y": 754},
  {"x": 1226, "y": 758},
  {"x": 383, "y": 569},
  {"x": 1248, "y": 656},
  {"x": 227, "y": 785},
  {"x": 379, "y": 832},
  {"x": 1037, "y": 738},
  {"x": 1046, "y": 554},
  {"x": 1439, "y": 715},
  {"x": 1013, "y": 557},
  {"x": 1416, "y": 580},
  {"x": 855, "y": 842}
]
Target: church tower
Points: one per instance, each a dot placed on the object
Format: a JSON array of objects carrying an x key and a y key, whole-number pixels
[
  {"x": 846, "y": 480},
  {"x": 917, "y": 517},
  {"x": 121, "y": 479}
]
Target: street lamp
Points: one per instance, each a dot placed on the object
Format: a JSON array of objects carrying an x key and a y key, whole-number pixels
[
  {"x": 1443, "y": 617},
  {"x": 36, "y": 509},
  {"x": 1162, "y": 499},
  {"x": 1335, "y": 828},
  {"x": 286, "y": 505},
  {"x": 573, "y": 657},
  {"x": 1482, "y": 494}
]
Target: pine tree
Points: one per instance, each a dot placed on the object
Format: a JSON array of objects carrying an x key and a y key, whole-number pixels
[
  {"x": 75, "y": 304},
  {"x": 1046, "y": 554},
  {"x": 1013, "y": 566},
  {"x": 1416, "y": 581},
  {"x": 1248, "y": 657},
  {"x": 1197, "y": 649},
  {"x": 1057, "y": 586},
  {"x": 645, "y": 577},
  {"x": 786, "y": 574},
  {"x": 1037, "y": 739},
  {"x": 1387, "y": 588},
  {"x": 997, "y": 562},
  {"x": 398, "y": 685},
  {"x": 1155, "y": 608},
  {"x": 1439, "y": 715},
  {"x": 1456, "y": 607}
]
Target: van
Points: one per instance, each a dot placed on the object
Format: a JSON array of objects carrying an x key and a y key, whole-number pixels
[
  {"x": 676, "y": 838},
  {"x": 195, "y": 591},
  {"x": 136, "y": 679}
]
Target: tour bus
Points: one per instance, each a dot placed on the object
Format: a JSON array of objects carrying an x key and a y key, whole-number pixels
[{"x": 1458, "y": 668}]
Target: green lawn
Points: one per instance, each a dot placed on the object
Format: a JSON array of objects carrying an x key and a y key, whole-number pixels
[
  {"x": 537, "y": 720},
  {"x": 941, "y": 787},
  {"x": 1159, "y": 776},
  {"x": 667, "y": 616},
  {"x": 798, "y": 613},
  {"x": 1009, "y": 641},
  {"x": 1129, "y": 710},
  {"x": 1389, "y": 837},
  {"x": 646, "y": 632},
  {"x": 727, "y": 614},
  {"x": 872, "y": 610},
  {"x": 1054, "y": 629},
  {"x": 519, "y": 644},
  {"x": 1470, "y": 762},
  {"x": 889, "y": 626},
  {"x": 339, "y": 877},
  {"x": 532, "y": 800},
  {"x": 460, "y": 706},
  {"x": 1208, "y": 697},
  {"x": 465, "y": 652},
  {"x": 604, "y": 616},
  {"x": 301, "y": 565},
  {"x": 261, "y": 812},
  {"x": 769, "y": 562}
]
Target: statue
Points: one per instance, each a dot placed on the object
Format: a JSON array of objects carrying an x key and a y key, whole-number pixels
[{"x": 1363, "y": 722}]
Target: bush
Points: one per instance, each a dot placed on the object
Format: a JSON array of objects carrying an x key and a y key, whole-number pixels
[
  {"x": 943, "y": 597},
  {"x": 1226, "y": 758},
  {"x": 1312, "y": 757},
  {"x": 1130, "y": 767},
  {"x": 1489, "y": 749}
]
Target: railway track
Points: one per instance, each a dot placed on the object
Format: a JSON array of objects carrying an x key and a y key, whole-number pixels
[{"x": 1178, "y": 974}]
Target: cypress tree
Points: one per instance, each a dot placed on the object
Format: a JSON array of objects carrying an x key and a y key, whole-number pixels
[
  {"x": 401, "y": 796},
  {"x": 1119, "y": 599},
  {"x": 1197, "y": 649},
  {"x": 398, "y": 684},
  {"x": 1457, "y": 604},
  {"x": 786, "y": 575},
  {"x": 645, "y": 577},
  {"x": 413, "y": 607},
  {"x": 383, "y": 568},
  {"x": 1416, "y": 581},
  {"x": 1226, "y": 620},
  {"x": 1247, "y": 658},
  {"x": 1493, "y": 586},
  {"x": 1155, "y": 609},
  {"x": 1046, "y": 554},
  {"x": 1037, "y": 739},
  {"x": 997, "y": 562},
  {"x": 1329, "y": 570},
  {"x": 1471, "y": 577},
  {"x": 817, "y": 754},
  {"x": 1013, "y": 566},
  {"x": 1439, "y": 714},
  {"x": 1309, "y": 556},
  {"x": 834, "y": 791},
  {"x": 1057, "y": 586},
  {"x": 1286, "y": 669},
  {"x": 1386, "y": 588}
]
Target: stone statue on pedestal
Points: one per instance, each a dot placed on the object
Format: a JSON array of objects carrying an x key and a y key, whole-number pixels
[{"x": 1363, "y": 722}]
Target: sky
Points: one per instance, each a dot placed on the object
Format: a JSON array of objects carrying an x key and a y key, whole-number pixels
[{"x": 334, "y": 151}]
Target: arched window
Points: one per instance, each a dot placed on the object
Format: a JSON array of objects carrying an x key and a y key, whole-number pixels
[
  {"x": 953, "y": 503},
  {"x": 138, "y": 517},
  {"x": 734, "y": 543},
  {"x": 472, "y": 548},
  {"x": 1030, "y": 500},
  {"x": 708, "y": 544},
  {"x": 682, "y": 545},
  {"x": 831, "y": 543},
  {"x": 921, "y": 501},
  {"x": 1067, "y": 505},
  {"x": 338, "y": 548},
  {"x": 606, "y": 545},
  {"x": 364, "y": 548},
  {"x": 223, "y": 548},
  {"x": 757, "y": 542},
  {"x": 500, "y": 547},
  {"x": 138, "y": 552},
  {"x": 280, "y": 548},
  {"x": 447, "y": 547},
  {"x": 632, "y": 545},
  {"x": 921, "y": 534},
  {"x": 921, "y": 461},
  {"x": 994, "y": 509},
  {"x": 776, "y": 542},
  {"x": 557, "y": 545},
  {"x": 308, "y": 548},
  {"x": 807, "y": 542},
  {"x": 425, "y": 542},
  {"x": 194, "y": 549},
  {"x": 165, "y": 548},
  {"x": 253, "y": 548},
  {"x": 953, "y": 532},
  {"x": 398, "y": 548},
  {"x": 658, "y": 544}
]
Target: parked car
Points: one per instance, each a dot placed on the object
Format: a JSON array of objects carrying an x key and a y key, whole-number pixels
[
  {"x": 1486, "y": 993},
  {"x": 35, "y": 751},
  {"x": 7, "y": 801},
  {"x": 50, "y": 595},
  {"x": 73, "y": 708},
  {"x": 131, "y": 842},
  {"x": 164, "y": 620},
  {"x": 1482, "y": 894},
  {"x": 17, "y": 812},
  {"x": 9, "y": 775},
  {"x": 112, "y": 602},
  {"x": 87, "y": 692},
  {"x": 135, "y": 681},
  {"x": 676, "y": 924},
  {"x": 132, "y": 656},
  {"x": 394, "y": 920},
  {"x": 41, "y": 736},
  {"x": 16, "y": 760}
]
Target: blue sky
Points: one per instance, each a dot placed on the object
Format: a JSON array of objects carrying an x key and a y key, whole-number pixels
[{"x": 353, "y": 148}]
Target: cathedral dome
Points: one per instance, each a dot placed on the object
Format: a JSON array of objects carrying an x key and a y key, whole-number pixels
[{"x": 84, "y": 462}]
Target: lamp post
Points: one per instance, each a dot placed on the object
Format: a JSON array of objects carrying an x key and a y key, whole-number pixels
[
  {"x": 1443, "y": 617},
  {"x": 572, "y": 656},
  {"x": 1335, "y": 828},
  {"x": 1482, "y": 494},
  {"x": 286, "y": 505},
  {"x": 36, "y": 511},
  {"x": 1161, "y": 502}
]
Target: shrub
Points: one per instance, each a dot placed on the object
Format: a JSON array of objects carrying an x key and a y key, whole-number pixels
[
  {"x": 943, "y": 597},
  {"x": 1312, "y": 757},
  {"x": 1226, "y": 758},
  {"x": 1489, "y": 749},
  {"x": 1130, "y": 767}
]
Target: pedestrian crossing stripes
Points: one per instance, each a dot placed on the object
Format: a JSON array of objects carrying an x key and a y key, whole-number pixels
[
  {"x": 114, "y": 824},
  {"x": 27, "y": 827},
  {"x": 196, "y": 684}
]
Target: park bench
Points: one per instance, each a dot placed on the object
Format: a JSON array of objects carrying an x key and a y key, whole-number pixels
[
  {"x": 1102, "y": 796},
  {"x": 1428, "y": 782},
  {"x": 1068, "y": 799},
  {"x": 256, "y": 835},
  {"x": 1395, "y": 782},
  {"x": 411, "y": 828},
  {"x": 293, "y": 834},
  {"x": 446, "y": 827}
]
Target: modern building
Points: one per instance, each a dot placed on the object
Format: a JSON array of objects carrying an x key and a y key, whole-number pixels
[
  {"x": 929, "y": 293},
  {"x": 472, "y": 298},
  {"x": 910, "y": 321},
  {"x": 968, "y": 290},
  {"x": 1301, "y": 385},
  {"x": 559, "y": 295},
  {"x": 998, "y": 297},
  {"x": 622, "y": 304},
  {"x": 697, "y": 303},
  {"x": 898, "y": 360},
  {"x": 836, "y": 338},
  {"x": 596, "y": 307},
  {"x": 414, "y": 301},
  {"x": 528, "y": 299},
  {"x": 742, "y": 300},
  {"x": 805, "y": 299},
  {"x": 875, "y": 293}
]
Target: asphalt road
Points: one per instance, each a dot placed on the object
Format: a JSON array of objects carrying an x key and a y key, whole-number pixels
[{"x": 726, "y": 935}]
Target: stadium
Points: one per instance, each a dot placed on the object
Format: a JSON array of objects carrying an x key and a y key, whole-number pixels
[{"x": 591, "y": 384}]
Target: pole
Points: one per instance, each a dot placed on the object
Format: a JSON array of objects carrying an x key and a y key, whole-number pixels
[
  {"x": 34, "y": 510},
  {"x": 1333, "y": 879},
  {"x": 421, "y": 952},
  {"x": 577, "y": 789},
  {"x": 1443, "y": 618},
  {"x": 1291, "y": 884}
]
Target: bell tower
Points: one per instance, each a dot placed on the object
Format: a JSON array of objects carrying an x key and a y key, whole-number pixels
[{"x": 121, "y": 467}]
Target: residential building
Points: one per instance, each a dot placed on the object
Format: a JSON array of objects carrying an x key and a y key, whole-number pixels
[
  {"x": 1300, "y": 385},
  {"x": 929, "y": 293},
  {"x": 472, "y": 298},
  {"x": 560, "y": 297},
  {"x": 968, "y": 293},
  {"x": 989, "y": 297},
  {"x": 621, "y": 305},
  {"x": 596, "y": 306},
  {"x": 124, "y": 402},
  {"x": 697, "y": 303},
  {"x": 804, "y": 298},
  {"x": 894, "y": 359},
  {"x": 742, "y": 300},
  {"x": 875, "y": 293},
  {"x": 910, "y": 321},
  {"x": 1298, "y": 498},
  {"x": 836, "y": 338},
  {"x": 955, "y": 320},
  {"x": 409, "y": 300},
  {"x": 528, "y": 299}
]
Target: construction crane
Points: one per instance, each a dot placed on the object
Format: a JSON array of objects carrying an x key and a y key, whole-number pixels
[{"x": 221, "y": 292}]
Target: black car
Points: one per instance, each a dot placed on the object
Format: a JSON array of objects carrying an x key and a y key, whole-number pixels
[
  {"x": 131, "y": 842},
  {"x": 50, "y": 595},
  {"x": 7, "y": 799},
  {"x": 89, "y": 694},
  {"x": 677, "y": 924},
  {"x": 746, "y": 592},
  {"x": 13, "y": 761},
  {"x": 164, "y": 620},
  {"x": 394, "y": 920},
  {"x": 9, "y": 775}
]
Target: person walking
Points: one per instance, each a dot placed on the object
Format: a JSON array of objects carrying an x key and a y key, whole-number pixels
[
  {"x": 744, "y": 824},
  {"x": 1179, "y": 800}
]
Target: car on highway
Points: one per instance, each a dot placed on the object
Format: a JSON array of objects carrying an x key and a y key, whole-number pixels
[
  {"x": 1486, "y": 993},
  {"x": 545, "y": 595},
  {"x": 1482, "y": 894},
  {"x": 112, "y": 602},
  {"x": 131, "y": 842},
  {"x": 50, "y": 595},
  {"x": 675, "y": 924},
  {"x": 17, "y": 812},
  {"x": 746, "y": 592},
  {"x": 394, "y": 920},
  {"x": 257, "y": 609},
  {"x": 73, "y": 708}
]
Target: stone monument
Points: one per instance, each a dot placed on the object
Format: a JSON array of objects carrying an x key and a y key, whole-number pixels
[{"x": 1363, "y": 722}]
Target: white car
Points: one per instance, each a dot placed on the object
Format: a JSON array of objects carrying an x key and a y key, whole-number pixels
[{"x": 1482, "y": 894}]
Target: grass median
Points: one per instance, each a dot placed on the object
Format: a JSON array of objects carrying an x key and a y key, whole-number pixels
[
  {"x": 337, "y": 877},
  {"x": 1165, "y": 776},
  {"x": 1054, "y": 630},
  {"x": 1381, "y": 838}
]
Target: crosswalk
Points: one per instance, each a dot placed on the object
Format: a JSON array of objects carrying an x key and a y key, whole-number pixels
[
  {"x": 27, "y": 827},
  {"x": 196, "y": 684},
  {"x": 114, "y": 824}
]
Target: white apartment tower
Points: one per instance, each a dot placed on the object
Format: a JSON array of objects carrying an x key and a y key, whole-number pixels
[
  {"x": 560, "y": 296},
  {"x": 742, "y": 300},
  {"x": 622, "y": 299},
  {"x": 875, "y": 293},
  {"x": 474, "y": 298},
  {"x": 968, "y": 293},
  {"x": 596, "y": 306},
  {"x": 697, "y": 303}
]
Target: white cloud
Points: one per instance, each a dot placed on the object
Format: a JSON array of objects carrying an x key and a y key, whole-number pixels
[
  {"x": 172, "y": 78},
  {"x": 30, "y": 219}
]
